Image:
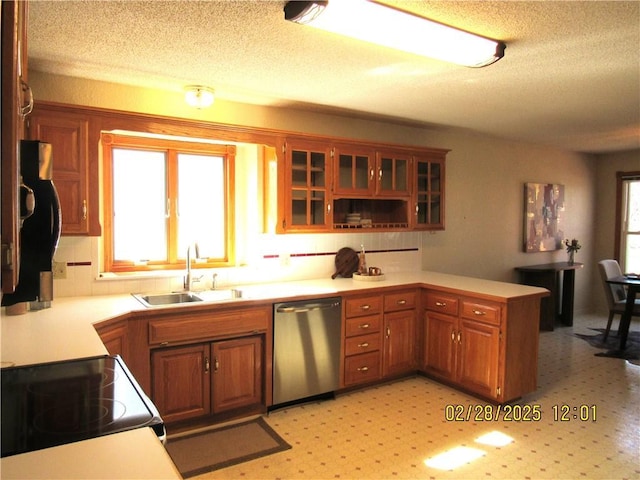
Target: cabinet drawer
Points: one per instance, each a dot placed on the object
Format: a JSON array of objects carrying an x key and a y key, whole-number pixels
[
  {"x": 485, "y": 312},
  {"x": 400, "y": 301},
  {"x": 438, "y": 302},
  {"x": 362, "y": 325},
  {"x": 362, "y": 368},
  {"x": 362, "y": 344},
  {"x": 355, "y": 307},
  {"x": 208, "y": 326}
]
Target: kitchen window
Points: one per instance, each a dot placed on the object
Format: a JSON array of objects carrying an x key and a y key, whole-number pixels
[
  {"x": 164, "y": 197},
  {"x": 628, "y": 221}
]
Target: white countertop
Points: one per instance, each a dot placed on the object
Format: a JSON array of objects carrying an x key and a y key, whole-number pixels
[
  {"x": 134, "y": 454},
  {"x": 65, "y": 331}
]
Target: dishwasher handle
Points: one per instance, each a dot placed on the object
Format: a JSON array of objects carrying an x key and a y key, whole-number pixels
[{"x": 309, "y": 307}]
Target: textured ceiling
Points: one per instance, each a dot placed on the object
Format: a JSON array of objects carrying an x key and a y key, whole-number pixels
[{"x": 570, "y": 76}]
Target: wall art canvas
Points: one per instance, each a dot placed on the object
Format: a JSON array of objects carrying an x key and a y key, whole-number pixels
[{"x": 543, "y": 217}]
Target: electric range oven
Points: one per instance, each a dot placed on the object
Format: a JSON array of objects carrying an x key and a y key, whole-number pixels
[{"x": 56, "y": 403}]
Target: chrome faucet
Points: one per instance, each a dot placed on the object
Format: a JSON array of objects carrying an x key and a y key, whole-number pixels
[{"x": 188, "y": 278}]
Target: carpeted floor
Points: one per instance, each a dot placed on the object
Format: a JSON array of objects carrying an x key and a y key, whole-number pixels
[
  {"x": 210, "y": 450},
  {"x": 612, "y": 344}
]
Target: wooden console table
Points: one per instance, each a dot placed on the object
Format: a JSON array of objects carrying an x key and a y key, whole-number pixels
[{"x": 548, "y": 276}]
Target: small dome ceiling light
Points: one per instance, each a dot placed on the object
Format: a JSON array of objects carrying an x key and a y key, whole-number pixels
[{"x": 199, "y": 96}]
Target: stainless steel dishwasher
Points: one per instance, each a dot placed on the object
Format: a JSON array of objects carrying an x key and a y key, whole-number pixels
[{"x": 306, "y": 349}]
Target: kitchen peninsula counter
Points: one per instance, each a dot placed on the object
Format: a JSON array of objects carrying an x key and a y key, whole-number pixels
[{"x": 65, "y": 331}]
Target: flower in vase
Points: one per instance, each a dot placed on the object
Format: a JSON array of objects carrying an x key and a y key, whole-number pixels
[{"x": 573, "y": 245}]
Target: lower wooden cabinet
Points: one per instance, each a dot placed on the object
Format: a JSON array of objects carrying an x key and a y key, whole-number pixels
[
  {"x": 114, "y": 337},
  {"x": 399, "y": 333},
  {"x": 482, "y": 346},
  {"x": 180, "y": 382},
  {"x": 362, "y": 342},
  {"x": 206, "y": 378}
]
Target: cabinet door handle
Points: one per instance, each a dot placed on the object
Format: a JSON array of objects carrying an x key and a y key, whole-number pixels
[
  {"x": 84, "y": 210},
  {"x": 363, "y": 369},
  {"x": 380, "y": 174},
  {"x": 363, "y": 345},
  {"x": 328, "y": 208},
  {"x": 401, "y": 302},
  {"x": 216, "y": 364},
  {"x": 206, "y": 365},
  {"x": 364, "y": 325},
  {"x": 388, "y": 332},
  {"x": 371, "y": 173},
  {"x": 453, "y": 336},
  {"x": 459, "y": 336},
  {"x": 479, "y": 312},
  {"x": 441, "y": 304},
  {"x": 417, "y": 208},
  {"x": 365, "y": 307},
  {"x": 27, "y": 108}
]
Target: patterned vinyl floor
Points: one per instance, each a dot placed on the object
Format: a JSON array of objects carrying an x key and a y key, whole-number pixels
[{"x": 404, "y": 430}]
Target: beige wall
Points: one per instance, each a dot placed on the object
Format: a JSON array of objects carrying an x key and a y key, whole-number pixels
[
  {"x": 485, "y": 177},
  {"x": 604, "y": 224}
]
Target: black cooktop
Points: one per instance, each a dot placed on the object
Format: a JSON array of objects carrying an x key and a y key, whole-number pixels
[{"x": 56, "y": 403}]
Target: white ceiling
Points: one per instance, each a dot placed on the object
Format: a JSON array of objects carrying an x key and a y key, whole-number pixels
[{"x": 570, "y": 76}]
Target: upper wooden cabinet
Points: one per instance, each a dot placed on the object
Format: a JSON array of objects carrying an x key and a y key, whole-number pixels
[
  {"x": 17, "y": 102},
  {"x": 428, "y": 192},
  {"x": 353, "y": 170},
  {"x": 327, "y": 186},
  {"x": 304, "y": 191},
  {"x": 74, "y": 166},
  {"x": 393, "y": 173}
]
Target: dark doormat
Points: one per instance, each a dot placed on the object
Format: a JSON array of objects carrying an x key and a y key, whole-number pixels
[
  {"x": 612, "y": 344},
  {"x": 210, "y": 450}
]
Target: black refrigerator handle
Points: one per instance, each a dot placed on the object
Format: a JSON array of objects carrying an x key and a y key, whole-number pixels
[{"x": 56, "y": 213}]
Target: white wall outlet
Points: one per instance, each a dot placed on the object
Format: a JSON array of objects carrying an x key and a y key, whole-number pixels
[
  {"x": 285, "y": 259},
  {"x": 59, "y": 270}
]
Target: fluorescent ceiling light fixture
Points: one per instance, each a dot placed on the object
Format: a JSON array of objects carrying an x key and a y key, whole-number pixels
[
  {"x": 454, "y": 458},
  {"x": 389, "y": 27},
  {"x": 199, "y": 96}
]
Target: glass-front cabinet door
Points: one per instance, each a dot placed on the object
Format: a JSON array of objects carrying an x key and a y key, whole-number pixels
[
  {"x": 429, "y": 193},
  {"x": 307, "y": 206},
  {"x": 354, "y": 170},
  {"x": 393, "y": 174}
]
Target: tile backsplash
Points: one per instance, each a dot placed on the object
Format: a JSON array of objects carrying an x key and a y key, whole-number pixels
[{"x": 270, "y": 258}]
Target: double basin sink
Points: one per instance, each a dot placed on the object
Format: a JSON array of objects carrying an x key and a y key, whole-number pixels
[
  {"x": 173, "y": 298},
  {"x": 253, "y": 292}
]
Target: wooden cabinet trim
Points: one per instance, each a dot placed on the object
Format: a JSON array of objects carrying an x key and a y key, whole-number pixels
[{"x": 180, "y": 329}]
